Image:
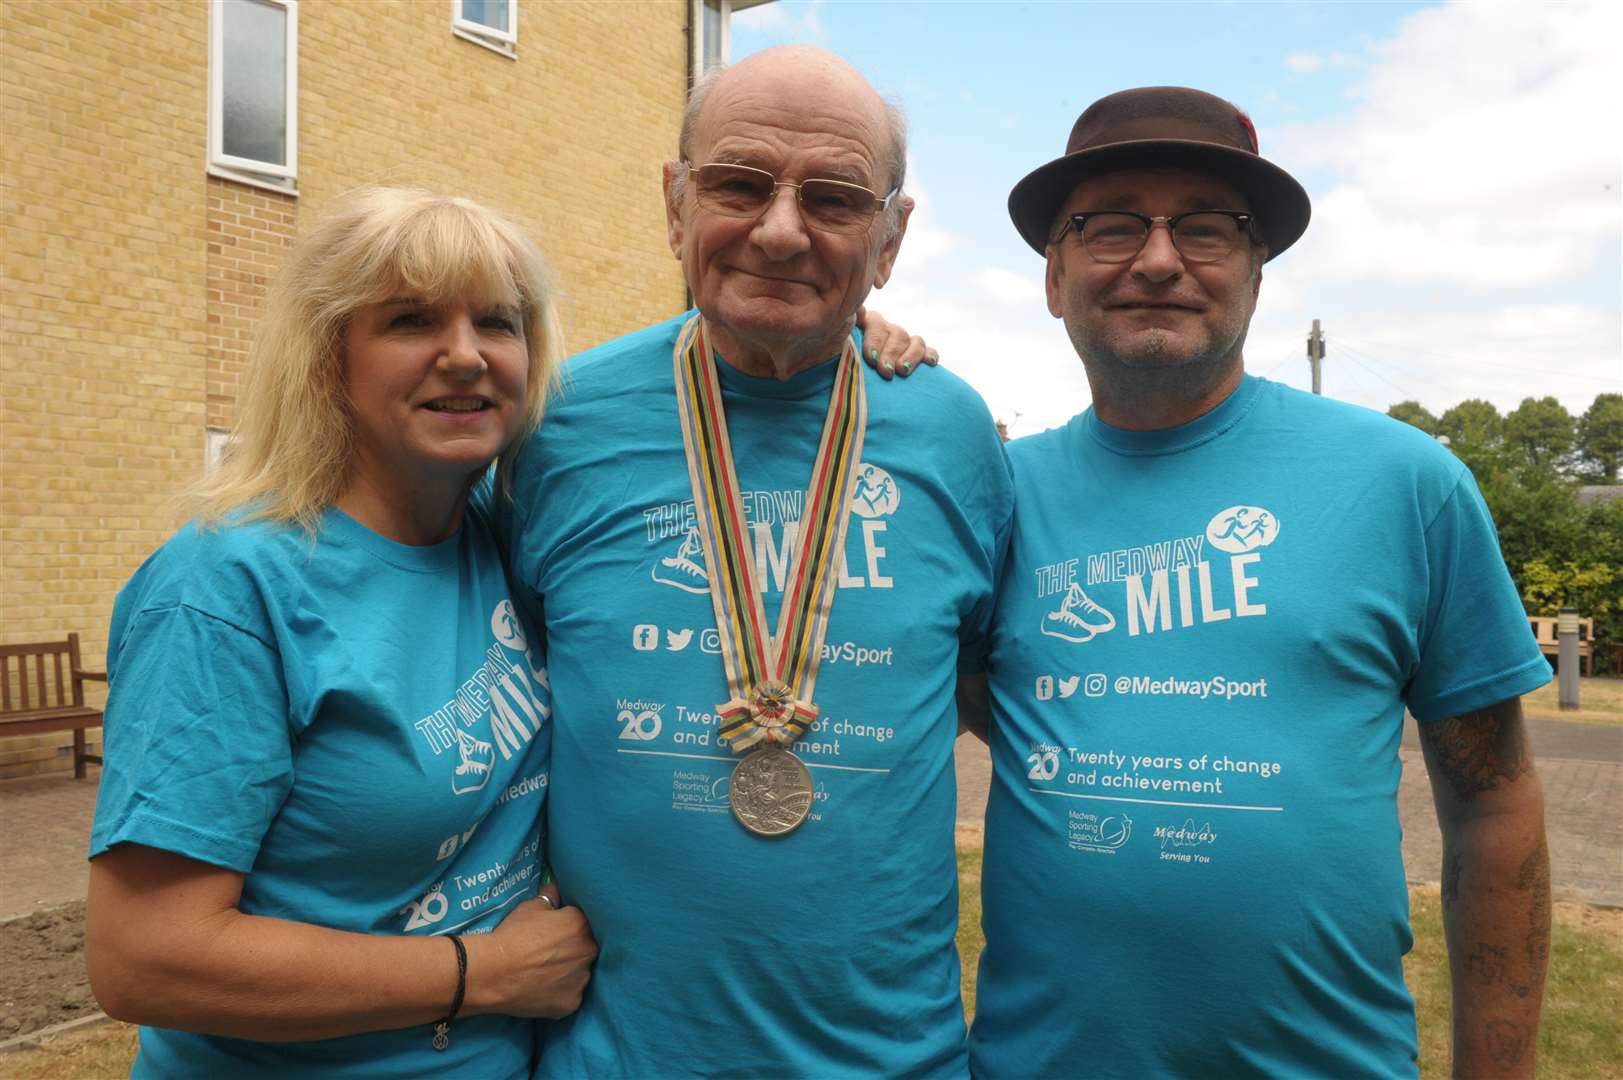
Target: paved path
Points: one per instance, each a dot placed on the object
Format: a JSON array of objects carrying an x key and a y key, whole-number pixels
[
  {"x": 1581, "y": 766},
  {"x": 45, "y": 820}
]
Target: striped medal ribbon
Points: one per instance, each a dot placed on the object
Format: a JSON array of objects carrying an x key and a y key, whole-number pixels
[{"x": 770, "y": 679}]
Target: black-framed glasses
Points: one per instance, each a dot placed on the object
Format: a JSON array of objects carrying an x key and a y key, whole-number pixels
[
  {"x": 1117, "y": 236},
  {"x": 739, "y": 191}
]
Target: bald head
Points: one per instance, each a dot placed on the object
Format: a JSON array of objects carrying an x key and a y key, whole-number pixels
[
  {"x": 778, "y": 289},
  {"x": 786, "y": 72}
]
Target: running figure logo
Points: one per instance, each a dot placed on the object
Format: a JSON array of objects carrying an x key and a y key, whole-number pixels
[
  {"x": 683, "y": 569},
  {"x": 874, "y": 494},
  {"x": 1240, "y": 529},
  {"x": 1078, "y": 618}
]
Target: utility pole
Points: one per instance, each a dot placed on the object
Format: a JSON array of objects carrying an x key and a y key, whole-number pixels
[{"x": 1315, "y": 355}]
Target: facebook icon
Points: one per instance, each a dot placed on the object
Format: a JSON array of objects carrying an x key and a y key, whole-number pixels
[{"x": 645, "y": 637}]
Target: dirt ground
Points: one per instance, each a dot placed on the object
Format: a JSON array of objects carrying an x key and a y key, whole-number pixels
[{"x": 43, "y": 981}]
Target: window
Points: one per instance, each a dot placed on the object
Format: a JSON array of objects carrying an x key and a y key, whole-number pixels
[
  {"x": 710, "y": 45},
  {"x": 714, "y": 32},
  {"x": 491, "y": 23},
  {"x": 253, "y": 91},
  {"x": 711, "y": 38}
]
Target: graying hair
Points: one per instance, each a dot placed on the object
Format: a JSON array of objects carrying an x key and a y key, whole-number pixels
[{"x": 895, "y": 126}]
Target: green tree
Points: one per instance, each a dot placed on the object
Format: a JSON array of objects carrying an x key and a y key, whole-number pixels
[
  {"x": 1600, "y": 438},
  {"x": 1542, "y": 429},
  {"x": 1415, "y": 414},
  {"x": 1557, "y": 551},
  {"x": 1472, "y": 423}
]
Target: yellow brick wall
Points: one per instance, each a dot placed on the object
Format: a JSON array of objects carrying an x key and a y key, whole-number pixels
[
  {"x": 249, "y": 230},
  {"x": 122, "y": 329}
]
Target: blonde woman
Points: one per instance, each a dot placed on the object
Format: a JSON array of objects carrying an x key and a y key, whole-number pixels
[{"x": 317, "y": 846}]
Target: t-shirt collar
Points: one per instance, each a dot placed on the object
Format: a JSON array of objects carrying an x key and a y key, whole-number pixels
[
  {"x": 1230, "y": 411},
  {"x": 815, "y": 381}
]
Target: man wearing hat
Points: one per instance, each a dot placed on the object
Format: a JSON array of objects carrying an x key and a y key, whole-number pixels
[{"x": 1221, "y": 596}]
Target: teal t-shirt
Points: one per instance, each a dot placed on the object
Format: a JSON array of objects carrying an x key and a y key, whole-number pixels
[
  {"x": 1204, "y": 643},
  {"x": 361, "y": 728},
  {"x": 827, "y": 952}
]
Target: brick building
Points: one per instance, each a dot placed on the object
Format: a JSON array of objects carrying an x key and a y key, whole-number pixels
[{"x": 156, "y": 158}]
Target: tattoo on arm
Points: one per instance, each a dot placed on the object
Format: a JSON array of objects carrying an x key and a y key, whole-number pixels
[
  {"x": 1486, "y": 964},
  {"x": 1534, "y": 877},
  {"x": 1507, "y": 1042},
  {"x": 1451, "y": 879},
  {"x": 1477, "y": 751}
]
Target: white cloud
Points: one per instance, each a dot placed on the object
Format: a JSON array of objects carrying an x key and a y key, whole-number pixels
[
  {"x": 1377, "y": 356},
  {"x": 926, "y": 240},
  {"x": 1008, "y": 287},
  {"x": 988, "y": 322},
  {"x": 1482, "y": 149}
]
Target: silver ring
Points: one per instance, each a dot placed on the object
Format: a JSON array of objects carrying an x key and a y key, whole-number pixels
[{"x": 544, "y": 898}]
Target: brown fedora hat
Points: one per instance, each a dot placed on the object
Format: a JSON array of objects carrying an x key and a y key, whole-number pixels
[{"x": 1163, "y": 127}]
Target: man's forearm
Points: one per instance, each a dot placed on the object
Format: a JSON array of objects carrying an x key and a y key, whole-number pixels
[
  {"x": 1496, "y": 886},
  {"x": 1496, "y": 913}
]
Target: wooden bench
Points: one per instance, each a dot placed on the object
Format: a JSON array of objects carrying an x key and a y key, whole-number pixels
[
  {"x": 42, "y": 690},
  {"x": 1544, "y": 631}
]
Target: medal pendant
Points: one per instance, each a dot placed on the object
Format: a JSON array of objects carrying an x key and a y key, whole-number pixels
[{"x": 771, "y": 792}]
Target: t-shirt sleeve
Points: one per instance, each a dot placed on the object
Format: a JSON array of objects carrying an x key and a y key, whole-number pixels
[
  {"x": 1476, "y": 648},
  {"x": 199, "y": 753},
  {"x": 975, "y": 633}
]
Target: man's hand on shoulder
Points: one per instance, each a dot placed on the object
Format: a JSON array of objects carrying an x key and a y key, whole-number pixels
[
  {"x": 891, "y": 350},
  {"x": 1496, "y": 885}
]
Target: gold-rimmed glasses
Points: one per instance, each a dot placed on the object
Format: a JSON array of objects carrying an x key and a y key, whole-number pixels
[{"x": 739, "y": 191}]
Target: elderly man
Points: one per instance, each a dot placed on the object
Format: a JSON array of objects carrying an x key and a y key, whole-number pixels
[
  {"x": 1220, "y": 597},
  {"x": 755, "y": 562}
]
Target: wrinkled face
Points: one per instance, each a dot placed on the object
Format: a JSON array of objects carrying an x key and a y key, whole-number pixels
[
  {"x": 1155, "y": 311},
  {"x": 434, "y": 389},
  {"x": 770, "y": 284}
]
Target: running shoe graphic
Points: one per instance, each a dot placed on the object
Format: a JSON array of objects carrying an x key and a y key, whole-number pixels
[
  {"x": 681, "y": 569},
  {"x": 1078, "y": 618},
  {"x": 473, "y": 767}
]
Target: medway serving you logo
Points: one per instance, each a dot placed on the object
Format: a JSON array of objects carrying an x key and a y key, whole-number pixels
[{"x": 1168, "y": 585}]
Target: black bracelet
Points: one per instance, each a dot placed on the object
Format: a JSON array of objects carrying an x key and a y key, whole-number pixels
[{"x": 442, "y": 1030}]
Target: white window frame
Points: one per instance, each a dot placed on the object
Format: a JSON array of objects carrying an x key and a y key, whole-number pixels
[
  {"x": 246, "y": 170},
  {"x": 500, "y": 41},
  {"x": 724, "y": 8}
]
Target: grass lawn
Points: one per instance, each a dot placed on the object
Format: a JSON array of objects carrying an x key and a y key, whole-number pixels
[
  {"x": 105, "y": 1050},
  {"x": 1600, "y": 701},
  {"x": 1581, "y": 1037}
]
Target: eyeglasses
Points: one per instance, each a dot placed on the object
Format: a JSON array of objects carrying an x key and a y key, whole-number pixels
[
  {"x": 1117, "y": 236},
  {"x": 739, "y": 191}
]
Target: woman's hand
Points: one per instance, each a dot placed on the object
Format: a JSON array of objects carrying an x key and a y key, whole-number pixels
[
  {"x": 889, "y": 349},
  {"x": 167, "y": 946},
  {"x": 536, "y": 963}
]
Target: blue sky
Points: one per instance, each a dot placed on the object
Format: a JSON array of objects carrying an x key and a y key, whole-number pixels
[{"x": 1463, "y": 160}]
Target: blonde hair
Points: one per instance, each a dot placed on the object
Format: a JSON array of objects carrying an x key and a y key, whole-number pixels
[{"x": 293, "y": 444}]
